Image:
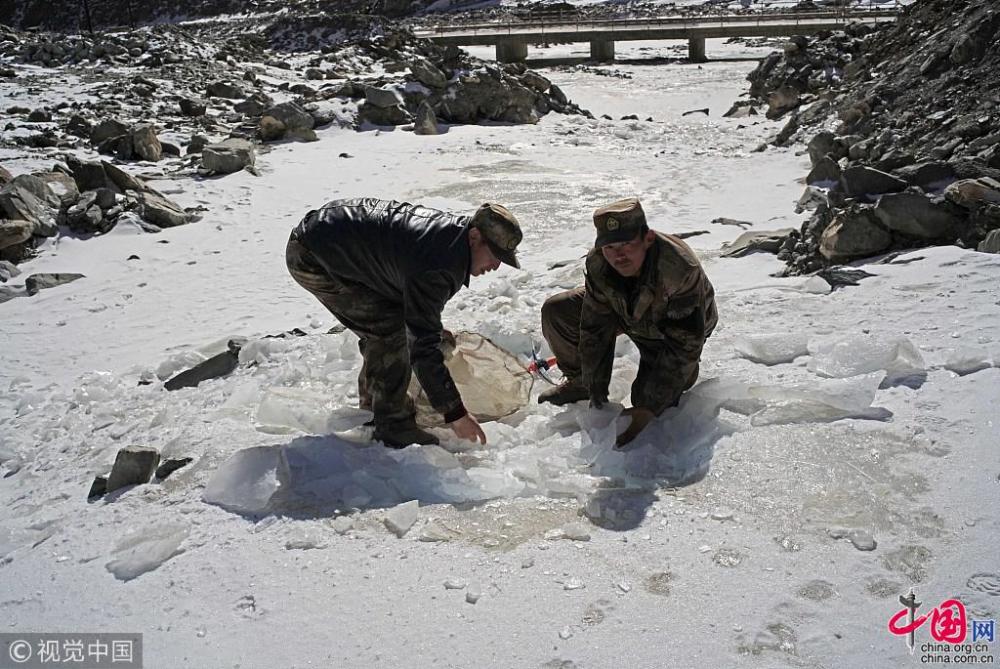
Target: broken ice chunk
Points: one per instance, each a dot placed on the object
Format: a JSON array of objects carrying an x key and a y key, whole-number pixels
[
  {"x": 967, "y": 361},
  {"x": 473, "y": 593},
  {"x": 399, "y": 519},
  {"x": 844, "y": 357},
  {"x": 245, "y": 482},
  {"x": 146, "y": 550},
  {"x": 772, "y": 349}
]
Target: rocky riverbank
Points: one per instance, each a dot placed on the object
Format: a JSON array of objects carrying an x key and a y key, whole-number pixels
[{"x": 902, "y": 130}]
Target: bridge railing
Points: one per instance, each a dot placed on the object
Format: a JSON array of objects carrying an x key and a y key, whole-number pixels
[{"x": 580, "y": 24}]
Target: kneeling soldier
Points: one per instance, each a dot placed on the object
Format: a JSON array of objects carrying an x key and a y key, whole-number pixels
[
  {"x": 385, "y": 270},
  {"x": 646, "y": 285}
]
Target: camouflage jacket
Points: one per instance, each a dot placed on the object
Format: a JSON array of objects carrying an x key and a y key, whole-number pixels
[{"x": 668, "y": 311}]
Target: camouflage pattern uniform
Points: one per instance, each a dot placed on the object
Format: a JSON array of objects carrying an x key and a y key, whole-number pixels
[
  {"x": 668, "y": 311},
  {"x": 385, "y": 270}
]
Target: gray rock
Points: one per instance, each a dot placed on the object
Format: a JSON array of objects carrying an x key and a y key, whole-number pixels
[
  {"x": 17, "y": 202},
  {"x": 862, "y": 540},
  {"x": 168, "y": 467},
  {"x": 860, "y": 180},
  {"x": 558, "y": 95},
  {"x": 134, "y": 465},
  {"x": 160, "y": 211},
  {"x": 767, "y": 241},
  {"x": 425, "y": 122},
  {"x": 228, "y": 156},
  {"x": 991, "y": 244},
  {"x": 145, "y": 144},
  {"x": 382, "y": 98},
  {"x": 315, "y": 73},
  {"x": 825, "y": 170},
  {"x": 969, "y": 193},
  {"x": 193, "y": 107},
  {"x": 823, "y": 144},
  {"x": 781, "y": 101},
  {"x": 395, "y": 115},
  {"x": 918, "y": 216},
  {"x": 224, "y": 89},
  {"x": 535, "y": 81},
  {"x": 107, "y": 129},
  {"x": 291, "y": 115},
  {"x": 37, "y": 282},
  {"x": 197, "y": 143},
  {"x": 14, "y": 232},
  {"x": 253, "y": 105},
  {"x": 8, "y": 270},
  {"x": 270, "y": 128},
  {"x": 121, "y": 179},
  {"x": 927, "y": 176},
  {"x": 428, "y": 74},
  {"x": 853, "y": 233},
  {"x": 217, "y": 366},
  {"x": 40, "y": 116}
]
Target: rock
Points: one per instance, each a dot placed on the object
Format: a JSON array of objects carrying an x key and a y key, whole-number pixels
[
  {"x": 197, "y": 143},
  {"x": 535, "y": 81},
  {"x": 5, "y": 176},
  {"x": 168, "y": 467},
  {"x": 107, "y": 129},
  {"x": 170, "y": 149},
  {"x": 824, "y": 171},
  {"x": 433, "y": 531},
  {"x": 228, "y": 156},
  {"x": 918, "y": 216},
  {"x": 812, "y": 197},
  {"x": 14, "y": 232},
  {"x": 37, "y": 282},
  {"x": 454, "y": 584},
  {"x": 302, "y": 135},
  {"x": 160, "y": 211},
  {"x": 40, "y": 116},
  {"x": 193, "y": 107},
  {"x": 314, "y": 73},
  {"x": 8, "y": 270},
  {"x": 425, "y": 122},
  {"x": 927, "y": 176},
  {"x": 473, "y": 593},
  {"x": 970, "y": 192},
  {"x": 291, "y": 115},
  {"x": 860, "y": 180},
  {"x": 767, "y": 241},
  {"x": 853, "y": 233},
  {"x": 557, "y": 94},
  {"x": 98, "y": 488},
  {"x": 382, "y": 98},
  {"x": 216, "y": 366},
  {"x": 399, "y": 519},
  {"x": 270, "y": 129},
  {"x": 991, "y": 244},
  {"x": 382, "y": 116},
  {"x": 223, "y": 89},
  {"x": 18, "y": 203},
  {"x": 253, "y": 105},
  {"x": 121, "y": 179},
  {"x": 134, "y": 465},
  {"x": 428, "y": 74},
  {"x": 826, "y": 144},
  {"x": 781, "y": 101},
  {"x": 145, "y": 144}
]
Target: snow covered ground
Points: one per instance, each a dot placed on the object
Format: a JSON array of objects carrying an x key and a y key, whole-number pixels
[{"x": 730, "y": 535}]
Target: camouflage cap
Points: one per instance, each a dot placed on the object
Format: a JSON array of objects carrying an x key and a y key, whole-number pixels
[
  {"x": 500, "y": 230},
  {"x": 620, "y": 221}
]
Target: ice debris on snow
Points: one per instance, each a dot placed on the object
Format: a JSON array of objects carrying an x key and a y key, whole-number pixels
[
  {"x": 840, "y": 357},
  {"x": 967, "y": 361},
  {"x": 146, "y": 550},
  {"x": 246, "y": 481},
  {"x": 342, "y": 524},
  {"x": 454, "y": 584},
  {"x": 572, "y": 531},
  {"x": 399, "y": 519},
  {"x": 772, "y": 349},
  {"x": 473, "y": 593}
]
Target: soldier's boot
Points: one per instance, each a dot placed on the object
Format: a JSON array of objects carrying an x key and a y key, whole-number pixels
[
  {"x": 569, "y": 391},
  {"x": 401, "y": 435}
]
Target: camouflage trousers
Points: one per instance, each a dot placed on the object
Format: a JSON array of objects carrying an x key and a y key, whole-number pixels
[
  {"x": 378, "y": 323},
  {"x": 663, "y": 375}
]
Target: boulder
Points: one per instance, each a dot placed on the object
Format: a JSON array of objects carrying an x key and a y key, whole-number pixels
[
  {"x": 425, "y": 122},
  {"x": 969, "y": 193},
  {"x": 853, "y": 233},
  {"x": 767, "y": 241},
  {"x": 14, "y": 232},
  {"x": 781, "y": 101},
  {"x": 859, "y": 180},
  {"x": 428, "y": 74},
  {"x": 375, "y": 115},
  {"x": 18, "y": 202},
  {"x": 37, "y": 282},
  {"x": 824, "y": 144},
  {"x": 8, "y": 270},
  {"x": 5, "y": 176},
  {"x": 193, "y": 107},
  {"x": 228, "y": 156},
  {"x": 197, "y": 143},
  {"x": 224, "y": 89},
  {"x": 382, "y": 98},
  {"x": 253, "y": 105},
  {"x": 160, "y": 211},
  {"x": 535, "y": 81},
  {"x": 991, "y": 244},
  {"x": 919, "y": 216},
  {"x": 270, "y": 128},
  {"x": 927, "y": 176},
  {"x": 291, "y": 115},
  {"x": 825, "y": 170},
  {"x": 107, "y": 129},
  {"x": 558, "y": 95},
  {"x": 134, "y": 465},
  {"x": 145, "y": 143}
]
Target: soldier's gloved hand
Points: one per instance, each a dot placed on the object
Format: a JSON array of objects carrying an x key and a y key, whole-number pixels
[
  {"x": 467, "y": 427},
  {"x": 640, "y": 419}
]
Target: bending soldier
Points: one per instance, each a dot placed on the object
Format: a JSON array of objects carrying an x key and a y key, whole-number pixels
[
  {"x": 385, "y": 270},
  {"x": 646, "y": 285}
]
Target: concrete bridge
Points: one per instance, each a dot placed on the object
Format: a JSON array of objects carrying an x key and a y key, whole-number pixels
[{"x": 512, "y": 38}]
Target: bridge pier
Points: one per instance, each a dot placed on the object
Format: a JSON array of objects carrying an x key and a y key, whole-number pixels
[
  {"x": 602, "y": 51},
  {"x": 512, "y": 52},
  {"x": 696, "y": 50}
]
